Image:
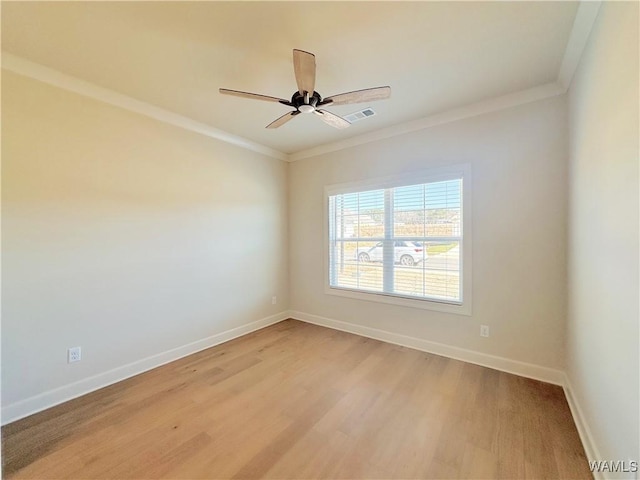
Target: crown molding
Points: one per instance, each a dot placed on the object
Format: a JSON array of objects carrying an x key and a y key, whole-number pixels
[
  {"x": 583, "y": 24},
  {"x": 486, "y": 106},
  {"x": 27, "y": 68},
  {"x": 580, "y": 32}
]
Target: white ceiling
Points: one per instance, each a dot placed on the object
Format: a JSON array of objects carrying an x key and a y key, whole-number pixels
[{"x": 175, "y": 55}]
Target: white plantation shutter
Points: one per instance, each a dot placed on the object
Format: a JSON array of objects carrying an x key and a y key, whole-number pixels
[{"x": 403, "y": 241}]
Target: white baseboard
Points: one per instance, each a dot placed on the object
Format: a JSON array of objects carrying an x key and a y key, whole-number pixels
[
  {"x": 37, "y": 403},
  {"x": 516, "y": 367},
  {"x": 583, "y": 427}
]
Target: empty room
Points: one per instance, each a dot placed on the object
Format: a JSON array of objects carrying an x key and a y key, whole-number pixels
[{"x": 338, "y": 240}]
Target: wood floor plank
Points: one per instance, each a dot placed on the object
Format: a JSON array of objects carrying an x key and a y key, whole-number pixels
[
  {"x": 271, "y": 453},
  {"x": 296, "y": 400},
  {"x": 314, "y": 453}
]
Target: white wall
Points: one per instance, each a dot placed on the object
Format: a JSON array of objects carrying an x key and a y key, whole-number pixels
[
  {"x": 125, "y": 236},
  {"x": 603, "y": 314},
  {"x": 518, "y": 157}
]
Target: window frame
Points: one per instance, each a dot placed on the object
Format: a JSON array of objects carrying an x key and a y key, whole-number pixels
[{"x": 429, "y": 175}]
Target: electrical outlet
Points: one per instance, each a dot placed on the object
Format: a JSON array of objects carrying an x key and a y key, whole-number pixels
[
  {"x": 74, "y": 354},
  {"x": 274, "y": 300},
  {"x": 484, "y": 330}
]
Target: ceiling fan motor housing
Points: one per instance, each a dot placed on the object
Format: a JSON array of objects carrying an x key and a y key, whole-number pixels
[{"x": 306, "y": 103}]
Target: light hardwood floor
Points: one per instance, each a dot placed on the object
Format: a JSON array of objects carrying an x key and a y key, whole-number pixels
[{"x": 299, "y": 401}]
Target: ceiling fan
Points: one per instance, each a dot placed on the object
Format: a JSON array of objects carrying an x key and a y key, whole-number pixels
[{"x": 307, "y": 100}]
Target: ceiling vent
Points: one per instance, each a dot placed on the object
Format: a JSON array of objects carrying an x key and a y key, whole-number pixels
[{"x": 357, "y": 116}]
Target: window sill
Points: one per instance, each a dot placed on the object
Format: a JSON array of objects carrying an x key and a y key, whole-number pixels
[{"x": 458, "y": 309}]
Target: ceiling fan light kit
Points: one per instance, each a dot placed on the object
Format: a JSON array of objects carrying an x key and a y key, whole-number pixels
[{"x": 307, "y": 100}]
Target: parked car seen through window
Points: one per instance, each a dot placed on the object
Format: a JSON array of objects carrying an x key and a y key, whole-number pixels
[{"x": 404, "y": 253}]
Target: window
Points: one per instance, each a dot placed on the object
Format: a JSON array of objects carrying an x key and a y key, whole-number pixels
[{"x": 402, "y": 240}]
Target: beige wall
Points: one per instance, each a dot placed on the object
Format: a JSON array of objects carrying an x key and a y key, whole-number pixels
[
  {"x": 130, "y": 237},
  {"x": 125, "y": 236},
  {"x": 518, "y": 158},
  {"x": 603, "y": 315}
]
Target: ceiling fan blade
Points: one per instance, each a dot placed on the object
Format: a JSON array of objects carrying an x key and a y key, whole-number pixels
[
  {"x": 332, "y": 119},
  {"x": 254, "y": 96},
  {"x": 283, "y": 119},
  {"x": 304, "y": 66},
  {"x": 359, "y": 96}
]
